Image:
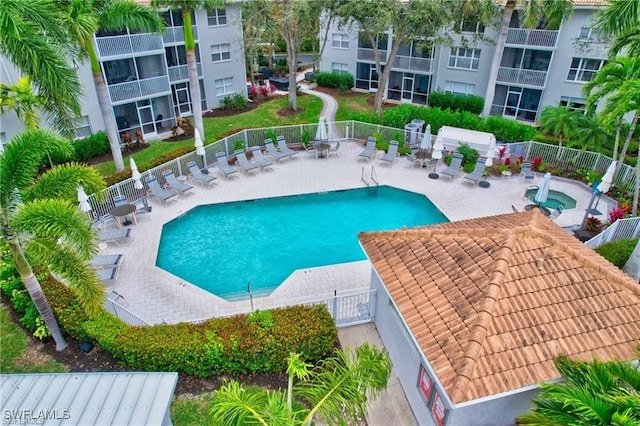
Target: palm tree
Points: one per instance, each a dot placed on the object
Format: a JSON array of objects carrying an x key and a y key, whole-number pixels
[
  {"x": 559, "y": 121},
  {"x": 31, "y": 38},
  {"x": 591, "y": 134},
  {"x": 595, "y": 393},
  {"x": 82, "y": 19},
  {"x": 531, "y": 12},
  {"x": 42, "y": 225},
  {"x": 337, "y": 391},
  {"x": 187, "y": 7},
  {"x": 618, "y": 17},
  {"x": 22, "y": 99},
  {"x": 606, "y": 82}
]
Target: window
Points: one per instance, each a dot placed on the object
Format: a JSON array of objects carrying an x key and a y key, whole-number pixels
[
  {"x": 574, "y": 104},
  {"x": 339, "y": 67},
  {"x": 340, "y": 41},
  {"x": 220, "y": 52},
  {"x": 459, "y": 89},
  {"x": 83, "y": 127},
  {"x": 468, "y": 59},
  {"x": 583, "y": 69},
  {"x": 217, "y": 17},
  {"x": 224, "y": 86},
  {"x": 471, "y": 26}
]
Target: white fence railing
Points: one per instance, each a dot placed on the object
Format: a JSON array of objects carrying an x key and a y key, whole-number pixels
[
  {"x": 522, "y": 76},
  {"x": 412, "y": 63},
  {"x": 619, "y": 230},
  {"x": 524, "y": 37},
  {"x": 138, "y": 88},
  {"x": 127, "y": 44},
  {"x": 114, "y": 305}
]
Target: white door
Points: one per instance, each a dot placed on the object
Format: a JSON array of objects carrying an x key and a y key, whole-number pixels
[{"x": 147, "y": 121}]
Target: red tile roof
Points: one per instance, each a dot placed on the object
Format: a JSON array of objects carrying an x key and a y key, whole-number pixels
[{"x": 492, "y": 301}]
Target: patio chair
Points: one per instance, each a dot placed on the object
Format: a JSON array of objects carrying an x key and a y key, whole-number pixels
[
  {"x": 118, "y": 237},
  {"x": 120, "y": 200},
  {"x": 527, "y": 174},
  {"x": 370, "y": 150},
  {"x": 454, "y": 168},
  {"x": 174, "y": 183},
  {"x": 309, "y": 148},
  {"x": 198, "y": 176},
  {"x": 107, "y": 261},
  {"x": 156, "y": 191},
  {"x": 392, "y": 153},
  {"x": 334, "y": 149},
  {"x": 224, "y": 166},
  {"x": 108, "y": 275},
  {"x": 556, "y": 212},
  {"x": 478, "y": 172},
  {"x": 244, "y": 163},
  {"x": 260, "y": 158},
  {"x": 273, "y": 152},
  {"x": 282, "y": 147}
]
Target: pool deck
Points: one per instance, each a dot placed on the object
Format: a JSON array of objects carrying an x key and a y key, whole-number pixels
[{"x": 158, "y": 296}]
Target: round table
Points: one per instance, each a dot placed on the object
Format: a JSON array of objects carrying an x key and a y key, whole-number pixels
[
  {"x": 322, "y": 147},
  {"x": 124, "y": 210},
  {"x": 506, "y": 173}
]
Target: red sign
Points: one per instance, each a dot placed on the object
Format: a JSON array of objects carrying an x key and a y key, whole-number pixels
[
  {"x": 438, "y": 410},
  {"x": 425, "y": 384}
]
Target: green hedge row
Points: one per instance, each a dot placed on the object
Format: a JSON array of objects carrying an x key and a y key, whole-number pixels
[
  {"x": 334, "y": 80},
  {"x": 85, "y": 149},
  {"x": 473, "y": 104},
  {"x": 618, "y": 252}
]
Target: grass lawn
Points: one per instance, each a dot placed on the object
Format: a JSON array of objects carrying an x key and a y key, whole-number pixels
[
  {"x": 15, "y": 357},
  {"x": 266, "y": 115},
  {"x": 352, "y": 104},
  {"x": 190, "y": 411}
]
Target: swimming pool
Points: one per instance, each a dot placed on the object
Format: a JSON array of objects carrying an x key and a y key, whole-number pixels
[
  {"x": 223, "y": 247},
  {"x": 554, "y": 199}
]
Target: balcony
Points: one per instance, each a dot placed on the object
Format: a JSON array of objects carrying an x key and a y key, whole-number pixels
[
  {"x": 534, "y": 38},
  {"x": 128, "y": 44},
  {"x": 412, "y": 63},
  {"x": 139, "y": 88},
  {"x": 367, "y": 55},
  {"x": 176, "y": 34},
  {"x": 181, "y": 72},
  {"x": 522, "y": 76}
]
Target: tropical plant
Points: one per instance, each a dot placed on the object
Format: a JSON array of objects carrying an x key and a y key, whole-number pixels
[
  {"x": 593, "y": 393},
  {"x": 531, "y": 13},
  {"x": 23, "y": 100},
  {"x": 336, "y": 391},
  {"x": 559, "y": 121},
  {"x": 82, "y": 19},
  {"x": 33, "y": 39},
  {"x": 42, "y": 225},
  {"x": 620, "y": 19}
]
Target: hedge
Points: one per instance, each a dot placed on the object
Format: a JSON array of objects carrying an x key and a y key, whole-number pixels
[
  {"x": 334, "y": 80},
  {"x": 85, "y": 149},
  {"x": 470, "y": 103},
  {"x": 617, "y": 252}
]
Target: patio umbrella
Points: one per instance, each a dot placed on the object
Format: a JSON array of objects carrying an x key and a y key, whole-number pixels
[
  {"x": 602, "y": 188},
  {"x": 491, "y": 153},
  {"x": 137, "y": 182},
  {"x": 200, "y": 148},
  {"x": 543, "y": 191},
  {"x": 83, "y": 199},
  {"x": 436, "y": 155},
  {"x": 321, "y": 133},
  {"x": 426, "y": 138}
]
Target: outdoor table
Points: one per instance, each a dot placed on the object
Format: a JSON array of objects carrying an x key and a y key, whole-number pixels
[
  {"x": 321, "y": 147},
  {"x": 422, "y": 155},
  {"x": 124, "y": 210}
]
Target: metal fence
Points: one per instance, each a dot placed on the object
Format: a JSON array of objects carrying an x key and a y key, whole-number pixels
[
  {"x": 114, "y": 305},
  {"x": 352, "y": 309},
  {"x": 619, "y": 230}
]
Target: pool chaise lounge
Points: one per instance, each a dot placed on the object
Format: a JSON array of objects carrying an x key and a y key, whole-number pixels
[
  {"x": 108, "y": 275},
  {"x": 283, "y": 147},
  {"x": 223, "y": 165},
  {"x": 244, "y": 163},
  {"x": 181, "y": 187},
  {"x": 477, "y": 173},
  {"x": 454, "y": 168},
  {"x": 198, "y": 176},
  {"x": 118, "y": 237},
  {"x": 392, "y": 153},
  {"x": 156, "y": 191},
  {"x": 260, "y": 158},
  {"x": 107, "y": 261},
  {"x": 273, "y": 152},
  {"x": 370, "y": 150}
]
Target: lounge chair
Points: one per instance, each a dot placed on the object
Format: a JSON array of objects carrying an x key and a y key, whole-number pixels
[
  {"x": 334, "y": 149},
  {"x": 370, "y": 150},
  {"x": 198, "y": 176},
  {"x": 556, "y": 212},
  {"x": 260, "y": 158},
  {"x": 224, "y": 166},
  {"x": 174, "y": 183},
  {"x": 273, "y": 152},
  {"x": 107, "y": 261},
  {"x": 108, "y": 275},
  {"x": 161, "y": 194},
  {"x": 118, "y": 237},
  {"x": 478, "y": 172},
  {"x": 244, "y": 163},
  {"x": 392, "y": 153},
  {"x": 282, "y": 147},
  {"x": 454, "y": 168},
  {"x": 527, "y": 174}
]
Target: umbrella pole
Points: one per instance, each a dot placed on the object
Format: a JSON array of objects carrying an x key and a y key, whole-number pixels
[
  {"x": 586, "y": 214},
  {"x": 204, "y": 170}
]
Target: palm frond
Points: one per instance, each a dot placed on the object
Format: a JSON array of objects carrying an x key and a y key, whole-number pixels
[
  {"x": 233, "y": 404},
  {"x": 120, "y": 14},
  {"x": 62, "y": 182},
  {"x": 619, "y": 16},
  {"x": 629, "y": 41}
]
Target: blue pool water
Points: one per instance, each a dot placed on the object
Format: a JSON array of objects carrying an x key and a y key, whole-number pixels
[
  {"x": 555, "y": 199},
  {"x": 223, "y": 247}
]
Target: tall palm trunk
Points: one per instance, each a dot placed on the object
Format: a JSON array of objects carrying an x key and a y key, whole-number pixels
[
  {"x": 616, "y": 143},
  {"x": 35, "y": 292},
  {"x": 105, "y": 107},
  {"x": 627, "y": 141},
  {"x": 192, "y": 67},
  {"x": 497, "y": 57}
]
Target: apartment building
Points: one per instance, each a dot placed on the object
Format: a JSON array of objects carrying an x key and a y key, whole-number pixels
[
  {"x": 539, "y": 67},
  {"x": 146, "y": 74}
]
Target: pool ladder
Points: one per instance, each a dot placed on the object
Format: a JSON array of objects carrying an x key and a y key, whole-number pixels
[{"x": 372, "y": 178}]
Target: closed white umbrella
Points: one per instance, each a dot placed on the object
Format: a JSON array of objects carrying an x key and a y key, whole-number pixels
[
  {"x": 426, "y": 138},
  {"x": 607, "y": 179},
  {"x": 199, "y": 144},
  {"x": 321, "y": 133},
  {"x": 83, "y": 200},
  {"x": 137, "y": 182},
  {"x": 543, "y": 191},
  {"x": 491, "y": 152}
]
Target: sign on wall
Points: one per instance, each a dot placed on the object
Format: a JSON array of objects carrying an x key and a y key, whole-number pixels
[
  {"x": 432, "y": 398},
  {"x": 425, "y": 384},
  {"x": 438, "y": 410}
]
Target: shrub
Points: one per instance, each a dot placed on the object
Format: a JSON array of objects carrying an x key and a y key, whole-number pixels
[
  {"x": 470, "y": 103},
  {"x": 84, "y": 149},
  {"x": 341, "y": 81},
  {"x": 507, "y": 130},
  {"x": 469, "y": 157},
  {"x": 253, "y": 92},
  {"x": 617, "y": 252}
]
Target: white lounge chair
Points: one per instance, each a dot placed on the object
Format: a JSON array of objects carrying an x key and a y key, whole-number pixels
[
  {"x": 108, "y": 275},
  {"x": 161, "y": 194},
  {"x": 273, "y": 152},
  {"x": 107, "y": 261},
  {"x": 244, "y": 163},
  {"x": 527, "y": 174},
  {"x": 223, "y": 165},
  {"x": 198, "y": 176},
  {"x": 370, "y": 150},
  {"x": 454, "y": 168},
  {"x": 283, "y": 147},
  {"x": 260, "y": 158},
  {"x": 118, "y": 237},
  {"x": 392, "y": 153},
  {"x": 477, "y": 173},
  {"x": 181, "y": 187}
]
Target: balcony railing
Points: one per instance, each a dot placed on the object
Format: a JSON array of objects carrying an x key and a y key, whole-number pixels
[
  {"x": 139, "y": 88},
  {"x": 176, "y": 34},
  {"x": 539, "y": 38},
  {"x": 411, "y": 63},
  {"x": 522, "y": 76},
  {"x": 128, "y": 44},
  {"x": 367, "y": 55},
  {"x": 181, "y": 72}
]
